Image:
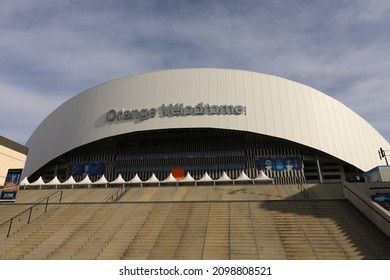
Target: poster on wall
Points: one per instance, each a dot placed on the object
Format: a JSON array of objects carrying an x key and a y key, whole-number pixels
[
  {"x": 11, "y": 185},
  {"x": 279, "y": 163}
]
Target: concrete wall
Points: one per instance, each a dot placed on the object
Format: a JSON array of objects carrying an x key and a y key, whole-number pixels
[
  {"x": 10, "y": 159},
  {"x": 360, "y": 196}
]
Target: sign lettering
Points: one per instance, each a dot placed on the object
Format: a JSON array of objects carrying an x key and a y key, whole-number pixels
[{"x": 174, "y": 111}]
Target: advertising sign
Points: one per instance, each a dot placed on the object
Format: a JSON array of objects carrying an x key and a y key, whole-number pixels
[{"x": 11, "y": 185}]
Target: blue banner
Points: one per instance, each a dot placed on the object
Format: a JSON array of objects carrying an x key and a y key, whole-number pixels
[{"x": 279, "y": 163}]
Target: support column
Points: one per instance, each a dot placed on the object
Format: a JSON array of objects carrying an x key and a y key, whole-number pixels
[
  {"x": 342, "y": 173},
  {"x": 319, "y": 170},
  {"x": 56, "y": 170}
]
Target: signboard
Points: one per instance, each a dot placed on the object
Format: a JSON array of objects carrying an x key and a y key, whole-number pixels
[
  {"x": 279, "y": 163},
  {"x": 11, "y": 185},
  {"x": 171, "y": 110}
]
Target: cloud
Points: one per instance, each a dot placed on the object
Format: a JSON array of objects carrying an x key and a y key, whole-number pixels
[
  {"x": 56, "y": 49},
  {"x": 23, "y": 110}
]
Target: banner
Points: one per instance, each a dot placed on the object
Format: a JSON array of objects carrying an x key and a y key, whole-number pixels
[
  {"x": 91, "y": 169},
  {"x": 11, "y": 185},
  {"x": 279, "y": 163}
]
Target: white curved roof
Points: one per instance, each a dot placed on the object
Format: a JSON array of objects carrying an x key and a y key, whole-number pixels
[{"x": 274, "y": 106}]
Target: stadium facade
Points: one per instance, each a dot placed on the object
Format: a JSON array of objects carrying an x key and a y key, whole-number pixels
[{"x": 203, "y": 120}]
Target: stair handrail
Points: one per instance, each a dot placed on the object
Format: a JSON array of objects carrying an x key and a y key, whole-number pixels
[
  {"x": 304, "y": 191},
  {"x": 110, "y": 198},
  {"x": 30, "y": 209}
]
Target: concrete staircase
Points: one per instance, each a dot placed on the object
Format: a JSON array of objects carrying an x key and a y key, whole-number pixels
[{"x": 270, "y": 229}]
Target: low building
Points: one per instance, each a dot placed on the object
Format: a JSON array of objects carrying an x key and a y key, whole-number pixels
[{"x": 12, "y": 156}]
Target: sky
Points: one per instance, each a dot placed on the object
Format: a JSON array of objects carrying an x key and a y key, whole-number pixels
[{"x": 52, "y": 50}]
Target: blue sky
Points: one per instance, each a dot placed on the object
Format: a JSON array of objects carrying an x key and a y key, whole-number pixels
[{"x": 51, "y": 50}]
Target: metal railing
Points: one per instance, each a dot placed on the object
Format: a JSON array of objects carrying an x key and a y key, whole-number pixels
[
  {"x": 304, "y": 191},
  {"x": 15, "y": 223},
  {"x": 116, "y": 195}
]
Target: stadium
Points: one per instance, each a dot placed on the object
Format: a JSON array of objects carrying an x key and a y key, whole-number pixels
[
  {"x": 203, "y": 120},
  {"x": 199, "y": 164}
]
